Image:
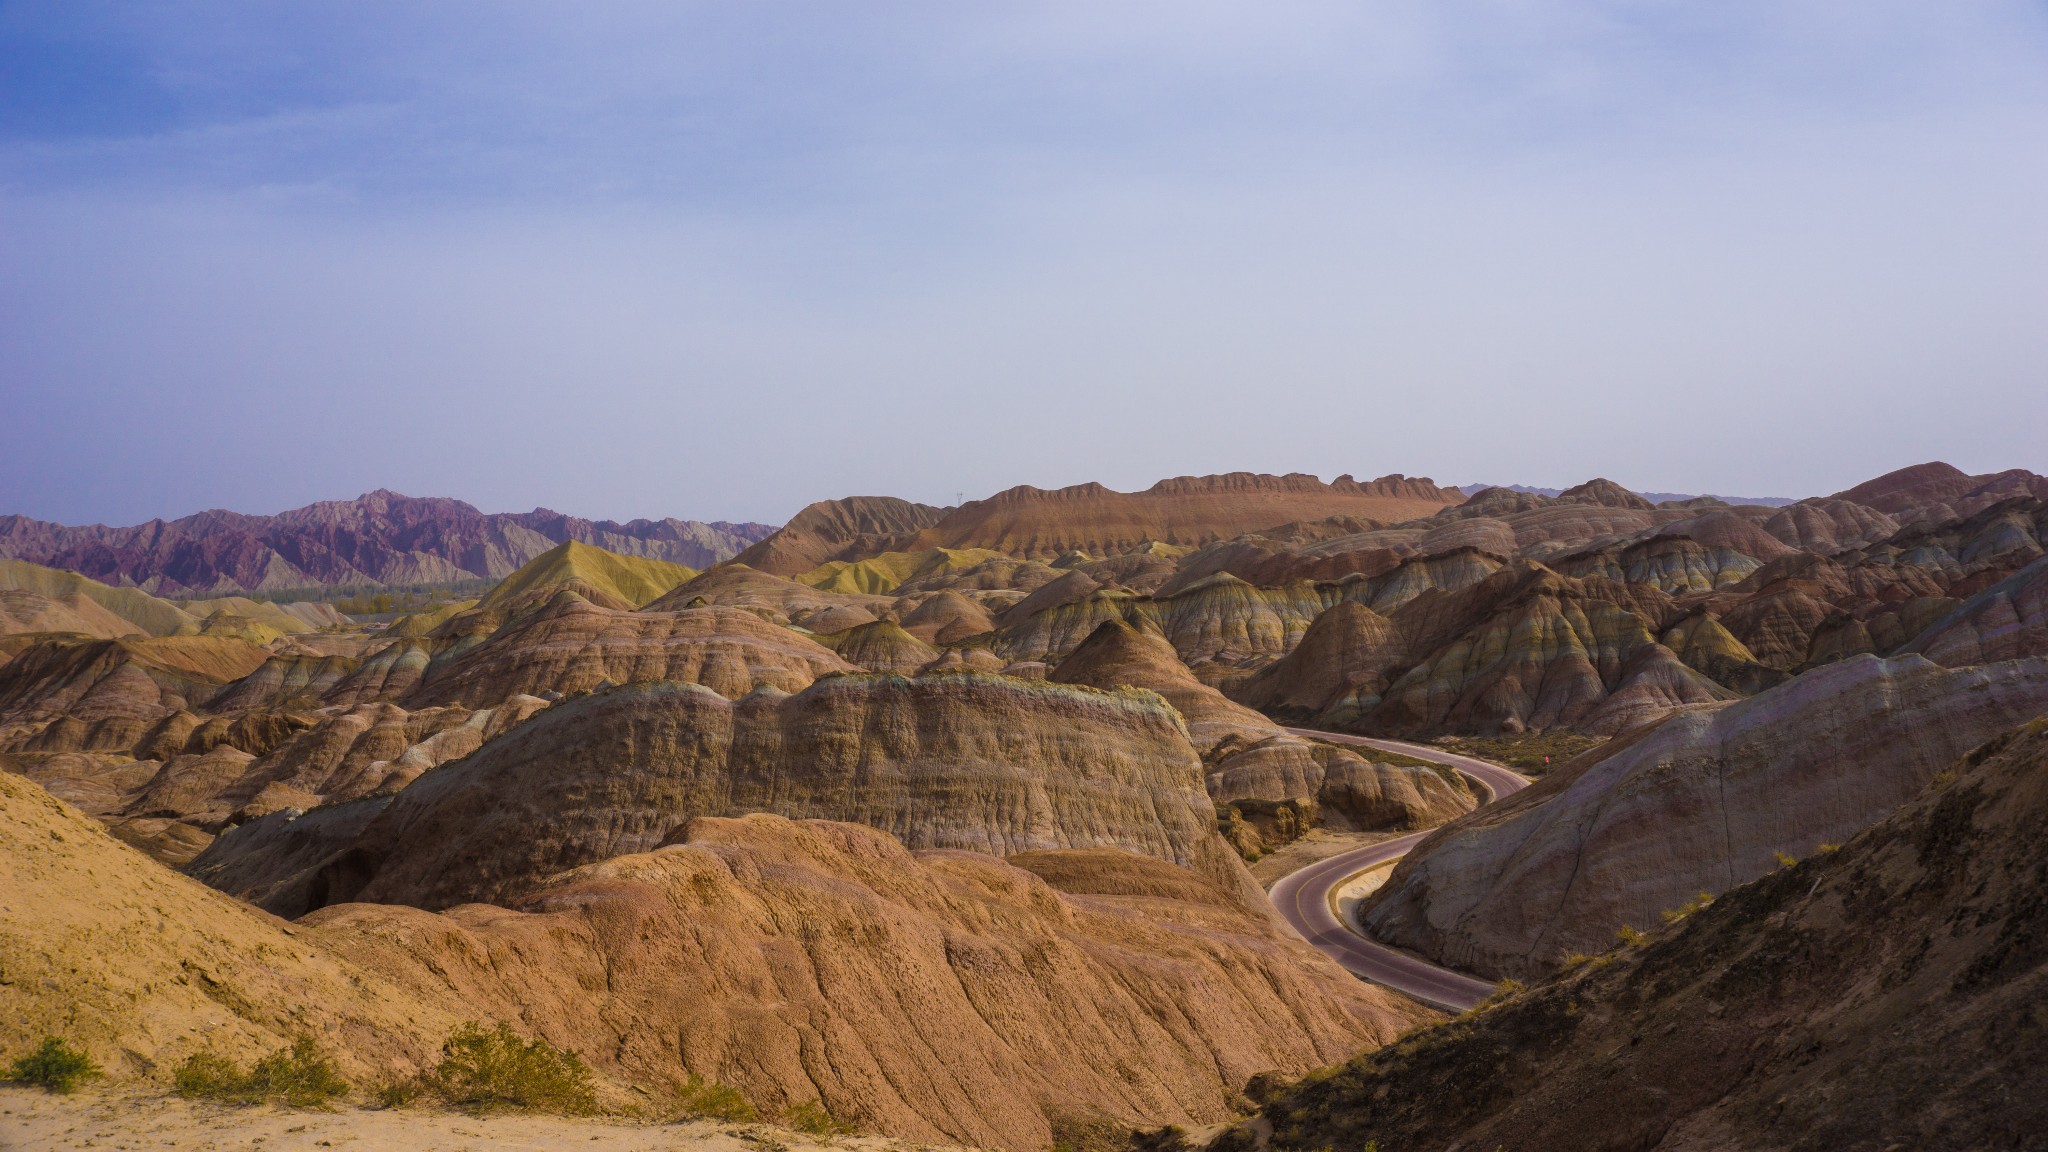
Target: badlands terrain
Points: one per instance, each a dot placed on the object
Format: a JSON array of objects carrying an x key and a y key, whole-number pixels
[{"x": 957, "y": 825}]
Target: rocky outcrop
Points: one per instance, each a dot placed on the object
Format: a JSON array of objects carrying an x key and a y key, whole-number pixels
[
  {"x": 35, "y": 588},
  {"x": 1524, "y": 650},
  {"x": 1343, "y": 657},
  {"x": 947, "y": 618},
  {"x": 958, "y": 760},
  {"x": 773, "y": 598},
  {"x": 850, "y": 529},
  {"x": 2006, "y": 621},
  {"x": 604, "y": 578},
  {"x": 1190, "y": 511},
  {"x": 573, "y": 645},
  {"x": 1873, "y": 997},
  {"x": 28, "y": 612},
  {"x": 939, "y": 996},
  {"x": 1118, "y": 655},
  {"x": 943, "y": 995},
  {"x": 887, "y": 573},
  {"x": 136, "y": 680},
  {"x": 1336, "y": 788},
  {"x": 881, "y": 647},
  {"x": 1701, "y": 803},
  {"x": 381, "y": 537}
]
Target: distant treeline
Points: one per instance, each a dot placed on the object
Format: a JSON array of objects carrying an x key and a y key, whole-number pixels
[{"x": 373, "y": 599}]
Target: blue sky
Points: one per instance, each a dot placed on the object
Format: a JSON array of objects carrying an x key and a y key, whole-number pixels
[{"x": 719, "y": 260}]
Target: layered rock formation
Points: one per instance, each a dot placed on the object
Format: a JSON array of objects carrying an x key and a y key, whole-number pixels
[
  {"x": 942, "y": 996},
  {"x": 945, "y": 995},
  {"x": 1699, "y": 804},
  {"x": 1344, "y": 656},
  {"x": 958, "y": 761},
  {"x": 381, "y": 537},
  {"x": 573, "y": 645},
  {"x": 881, "y": 646},
  {"x": 850, "y": 529},
  {"x": 1189, "y": 510},
  {"x": 38, "y": 599},
  {"x": 2004, "y": 622},
  {"x": 1879, "y": 996}
]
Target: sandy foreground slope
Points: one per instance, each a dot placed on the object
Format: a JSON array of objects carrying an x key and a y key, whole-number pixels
[{"x": 31, "y": 1119}]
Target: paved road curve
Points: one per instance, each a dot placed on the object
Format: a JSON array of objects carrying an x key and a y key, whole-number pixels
[{"x": 1303, "y": 897}]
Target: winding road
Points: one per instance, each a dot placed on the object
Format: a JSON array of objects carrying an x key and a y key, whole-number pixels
[{"x": 1304, "y": 898}]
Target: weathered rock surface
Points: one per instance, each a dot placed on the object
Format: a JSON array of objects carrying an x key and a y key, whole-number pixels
[
  {"x": 1525, "y": 649},
  {"x": 381, "y": 537},
  {"x": 946, "y": 995},
  {"x": 2007, "y": 621},
  {"x": 1034, "y": 523},
  {"x": 881, "y": 647},
  {"x": 573, "y": 645},
  {"x": 947, "y": 618},
  {"x": 26, "y": 612},
  {"x": 1336, "y": 787},
  {"x": 1884, "y": 995},
  {"x": 1700, "y": 803},
  {"x": 120, "y": 686},
  {"x": 773, "y": 598},
  {"x": 1118, "y": 655},
  {"x": 956, "y": 761},
  {"x": 141, "y": 966},
  {"x": 1344, "y": 656},
  {"x": 850, "y": 529}
]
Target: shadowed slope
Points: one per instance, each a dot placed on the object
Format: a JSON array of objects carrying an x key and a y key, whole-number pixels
[
  {"x": 1701, "y": 803},
  {"x": 1885, "y": 995}
]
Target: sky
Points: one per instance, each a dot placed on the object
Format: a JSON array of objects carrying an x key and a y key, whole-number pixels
[{"x": 719, "y": 260}]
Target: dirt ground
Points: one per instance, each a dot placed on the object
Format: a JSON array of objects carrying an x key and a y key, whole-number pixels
[
  {"x": 35, "y": 1121},
  {"x": 1319, "y": 844}
]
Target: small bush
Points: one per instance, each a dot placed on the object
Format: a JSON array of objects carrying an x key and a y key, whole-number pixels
[
  {"x": 1826, "y": 848},
  {"x": 399, "y": 1093},
  {"x": 483, "y": 1070},
  {"x": 208, "y": 1075},
  {"x": 55, "y": 1066},
  {"x": 710, "y": 1100},
  {"x": 1504, "y": 990},
  {"x": 811, "y": 1118},
  {"x": 1697, "y": 903},
  {"x": 1631, "y": 936},
  {"x": 300, "y": 1076},
  {"x": 1785, "y": 859}
]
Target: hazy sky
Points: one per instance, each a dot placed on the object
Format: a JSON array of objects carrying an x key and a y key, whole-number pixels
[{"x": 719, "y": 260}]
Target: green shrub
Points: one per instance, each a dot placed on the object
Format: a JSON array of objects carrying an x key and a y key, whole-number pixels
[
  {"x": 811, "y": 1118},
  {"x": 1630, "y": 936},
  {"x": 710, "y": 1100},
  {"x": 56, "y": 1066},
  {"x": 300, "y": 1076},
  {"x": 400, "y": 1092},
  {"x": 1697, "y": 903},
  {"x": 483, "y": 1070},
  {"x": 208, "y": 1075}
]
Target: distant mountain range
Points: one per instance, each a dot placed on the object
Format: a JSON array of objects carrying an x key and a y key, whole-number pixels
[
  {"x": 1652, "y": 497},
  {"x": 380, "y": 538}
]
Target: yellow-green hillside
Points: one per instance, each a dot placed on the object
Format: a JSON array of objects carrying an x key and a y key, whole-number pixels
[
  {"x": 288, "y": 619},
  {"x": 151, "y": 615},
  {"x": 422, "y": 622},
  {"x": 883, "y": 574},
  {"x": 604, "y": 577}
]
